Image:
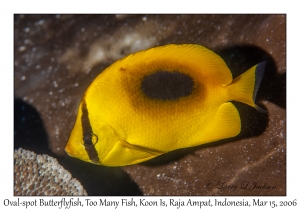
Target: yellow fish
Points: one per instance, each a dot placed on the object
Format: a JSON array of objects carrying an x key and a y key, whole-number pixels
[{"x": 158, "y": 100}]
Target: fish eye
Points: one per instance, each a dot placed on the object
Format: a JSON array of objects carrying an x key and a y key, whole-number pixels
[{"x": 90, "y": 139}]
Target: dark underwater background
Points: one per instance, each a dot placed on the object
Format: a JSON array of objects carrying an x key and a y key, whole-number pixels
[{"x": 56, "y": 57}]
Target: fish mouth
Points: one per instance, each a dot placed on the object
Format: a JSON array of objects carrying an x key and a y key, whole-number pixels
[{"x": 68, "y": 150}]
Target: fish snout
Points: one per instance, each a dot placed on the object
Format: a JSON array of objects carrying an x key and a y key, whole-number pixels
[{"x": 69, "y": 150}]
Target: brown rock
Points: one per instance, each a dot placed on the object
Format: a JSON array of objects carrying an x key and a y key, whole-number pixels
[{"x": 56, "y": 57}]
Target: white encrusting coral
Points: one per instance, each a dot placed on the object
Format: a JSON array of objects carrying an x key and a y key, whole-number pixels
[{"x": 42, "y": 175}]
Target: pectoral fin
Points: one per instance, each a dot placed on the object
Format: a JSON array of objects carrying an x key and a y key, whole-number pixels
[{"x": 131, "y": 154}]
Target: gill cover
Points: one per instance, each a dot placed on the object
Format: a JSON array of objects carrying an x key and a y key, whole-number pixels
[{"x": 110, "y": 150}]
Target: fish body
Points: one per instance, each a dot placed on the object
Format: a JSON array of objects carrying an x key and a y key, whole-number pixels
[{"x": 158, "y": 100}]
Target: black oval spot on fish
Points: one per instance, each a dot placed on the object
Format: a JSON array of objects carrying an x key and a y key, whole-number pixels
[{"x": 165, "y": 85}]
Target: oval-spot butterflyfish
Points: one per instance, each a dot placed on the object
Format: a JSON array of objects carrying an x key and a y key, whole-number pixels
[{"x": 159, "y": 100}]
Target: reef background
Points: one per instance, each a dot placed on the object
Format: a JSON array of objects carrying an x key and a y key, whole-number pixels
[{"x": 57, "y": 56}]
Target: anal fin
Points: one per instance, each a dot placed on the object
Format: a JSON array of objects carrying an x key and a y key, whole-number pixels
[{"x": 225, "y": 124}]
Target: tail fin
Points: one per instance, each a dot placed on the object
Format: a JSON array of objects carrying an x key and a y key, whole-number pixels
[{"x": 244, "y": 87}]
